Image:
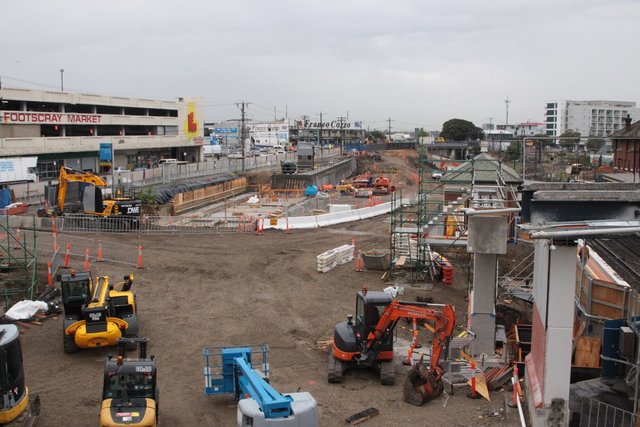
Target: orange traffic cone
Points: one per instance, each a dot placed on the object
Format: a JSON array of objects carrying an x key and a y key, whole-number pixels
[
  {"x": 139, "y": 257},
  {"x": 100, "y": 258},
  {"x": 86, "y": 259},
  {"x": 359, "y": 262},
  {"x": 474, "y": 394},
  {"x": 66, "y": 257},
  {"x": 515, "y": 380},
  {"x": 49, "y": 275}
]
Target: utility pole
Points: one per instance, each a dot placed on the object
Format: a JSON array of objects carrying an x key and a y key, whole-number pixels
[
  {"x": 389, "y": 130},
  {"x": 304, "y": 129},
  {"x": 61, "y": 79},
  {"x": 341, "y": 120},
  {"x": 242, "y": 131},
  {"x": 491, "y": 137},
  {"x": 320, "y": 136},
  {"x": 524, "y": 157},
  {"x": 506, "y": 103}
]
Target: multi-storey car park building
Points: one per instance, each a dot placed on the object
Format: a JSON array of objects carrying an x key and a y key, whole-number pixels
[
  {"x": 63, "y": 128},
  {"x": 590, "y": 118}
]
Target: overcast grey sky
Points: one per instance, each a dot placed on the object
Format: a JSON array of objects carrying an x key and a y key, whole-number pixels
[{"x": 420, "y": 62}]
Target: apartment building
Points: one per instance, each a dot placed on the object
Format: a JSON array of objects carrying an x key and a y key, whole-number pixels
[{"x": 590, "y": 118}]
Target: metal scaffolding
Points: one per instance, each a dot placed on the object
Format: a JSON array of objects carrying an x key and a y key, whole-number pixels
[
  {"x": 18, "y": 262},
  {"x": 429, "y": 231}
]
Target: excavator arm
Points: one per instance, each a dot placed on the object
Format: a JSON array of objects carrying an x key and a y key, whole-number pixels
[
  {"x": 99, "y": 292},
  {"x": 443, "y": 314},
  {"x": 68, "y": 175}
]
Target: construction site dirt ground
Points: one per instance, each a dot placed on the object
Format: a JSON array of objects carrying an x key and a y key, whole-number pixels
[{"x": 236, "y": 289}]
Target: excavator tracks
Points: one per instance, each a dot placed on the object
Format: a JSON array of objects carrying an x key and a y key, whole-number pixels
[
  {"x": 387, "y": 373},
  {"x": 335, "y": 369}
]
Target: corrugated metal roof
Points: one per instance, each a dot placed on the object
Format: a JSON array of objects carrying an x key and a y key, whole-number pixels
[
  {"x": 632, "y": 132},
  {"x": 486, "y": 169}
]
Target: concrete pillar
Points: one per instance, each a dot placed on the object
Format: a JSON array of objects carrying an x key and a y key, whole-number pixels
[
  {"x": 487, "y": 239},
  {"x": 483, "y": 313},
  {"x": 549, "y": 363}
]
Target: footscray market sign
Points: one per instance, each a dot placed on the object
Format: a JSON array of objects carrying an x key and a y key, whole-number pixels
[{"x": 33, "y": 117}]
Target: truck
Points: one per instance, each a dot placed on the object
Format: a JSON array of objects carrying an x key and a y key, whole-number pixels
[
  {"x": 14, "y": 170},
  {"x": 212, "y": 150}
]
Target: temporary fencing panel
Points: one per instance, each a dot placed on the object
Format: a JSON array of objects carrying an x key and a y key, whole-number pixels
[{"x": 110, "y": 251}]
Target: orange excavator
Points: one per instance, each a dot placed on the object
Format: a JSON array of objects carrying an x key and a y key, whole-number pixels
[
  {"x": 368, "y": 342},
  {"x": 382, "y": 185}
]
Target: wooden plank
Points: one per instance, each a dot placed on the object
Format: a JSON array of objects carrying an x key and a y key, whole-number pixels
[
  {"x": 362, "y": 416},
  {"x": 588, "y": 352},
  {"x": 481, "y": 386},
  {"x": 401, "y": 261},
  {"x": 606, "y": 294},
  {"x": 468, "y": 358},
  {"x": 579, "y": 333}
]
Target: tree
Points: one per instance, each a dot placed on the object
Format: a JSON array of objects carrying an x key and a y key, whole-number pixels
[
  {"x": 595, "y": 144},
  {"x": 460, "y": 130},
  {"x": 513, "y": 151},
  {"x": 570, "y": 143}
]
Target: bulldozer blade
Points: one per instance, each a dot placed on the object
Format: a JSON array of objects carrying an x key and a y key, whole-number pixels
[{"x": 421, "y": 385}]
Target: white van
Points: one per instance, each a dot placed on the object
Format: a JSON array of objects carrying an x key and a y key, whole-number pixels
[
  {"x": 163, "y": 161},
  {"x": 212, "y": 150},
  {"x": 172, "y": 162},
  {"x": 278, "y": 149}
]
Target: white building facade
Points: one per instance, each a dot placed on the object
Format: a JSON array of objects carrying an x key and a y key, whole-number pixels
[
  {"x": 69, "y": 129},
  {"x": 590, "y": 118}
]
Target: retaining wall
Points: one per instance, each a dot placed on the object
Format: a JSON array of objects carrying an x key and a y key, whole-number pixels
[{"x": 331, "y": 174}]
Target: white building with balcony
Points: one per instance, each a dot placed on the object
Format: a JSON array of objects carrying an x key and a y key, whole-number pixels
[
  {"x": 590, "y": 118},
  {"x": 63, "y": 128}
]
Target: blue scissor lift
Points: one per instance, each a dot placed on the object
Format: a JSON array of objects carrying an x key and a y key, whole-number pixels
[{"x": 243, "y": 371}]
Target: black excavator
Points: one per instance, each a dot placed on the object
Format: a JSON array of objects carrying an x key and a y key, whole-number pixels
[{"x": 18, "y": 407}]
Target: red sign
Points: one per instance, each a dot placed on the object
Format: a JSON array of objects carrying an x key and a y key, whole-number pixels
[{"x": 54, "y": 118}]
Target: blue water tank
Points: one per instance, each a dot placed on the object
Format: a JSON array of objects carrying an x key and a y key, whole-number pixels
[
  {"x": 5, "y": 197},
  {"x": 311, "y": 190}
]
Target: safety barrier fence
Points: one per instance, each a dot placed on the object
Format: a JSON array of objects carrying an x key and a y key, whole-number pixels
[
  {"x": 56, "y": 247},
  {"x": 595, "y": 413},
  {"x": 184, "y": 224}
]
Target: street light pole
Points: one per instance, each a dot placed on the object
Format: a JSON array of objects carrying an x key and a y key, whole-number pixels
[
  {"x": 524, "y": 157},
  {"x": 61, "y": 79},
  {"x": 113, "y": 175}
]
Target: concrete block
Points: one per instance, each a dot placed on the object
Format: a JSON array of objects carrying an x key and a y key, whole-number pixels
[
  {"x": 541, "y": 276},
  {"x": 484, "y": 326},
  {"x": 557, "y": 373},
  {"x": 484, "y": 282},
  {"x": 487, "y": 235},
  {"x": 562, "y": 289}
]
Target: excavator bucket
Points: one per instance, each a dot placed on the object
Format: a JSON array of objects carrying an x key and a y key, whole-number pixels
[{"x": 422, "y": 385}]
